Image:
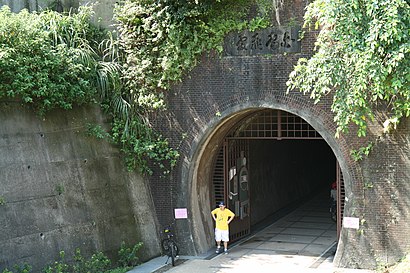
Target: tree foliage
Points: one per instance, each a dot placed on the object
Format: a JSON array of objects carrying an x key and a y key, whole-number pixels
[
  {"x": 362, "y": 60},
  {"x": 48, "y": 60}
]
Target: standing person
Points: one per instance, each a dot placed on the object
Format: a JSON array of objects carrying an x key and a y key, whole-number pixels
[
  {"x": 333, "y": 201},
  {"x": 222, "y": 217},
  {"x": 333, "y": 190}
]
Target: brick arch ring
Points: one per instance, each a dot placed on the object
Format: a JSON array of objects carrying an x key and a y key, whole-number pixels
[{"x": 196, "y": 175}]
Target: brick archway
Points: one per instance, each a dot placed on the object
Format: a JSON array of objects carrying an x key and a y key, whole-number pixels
[
  {"x": 206, "y": 104},
  {"x": 217, "y": 92},
  {"x": 198, "y": 173}
]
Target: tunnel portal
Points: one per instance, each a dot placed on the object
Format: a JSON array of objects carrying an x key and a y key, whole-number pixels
[{"x": 270, "y": 161}]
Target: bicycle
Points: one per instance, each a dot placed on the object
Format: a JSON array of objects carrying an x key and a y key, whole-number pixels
[{"x": 168, "y": 244}]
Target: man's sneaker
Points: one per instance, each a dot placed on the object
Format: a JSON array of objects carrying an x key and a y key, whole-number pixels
[
  {"x": 225, "y": 251},
  {"x": 217, "y": 250}
]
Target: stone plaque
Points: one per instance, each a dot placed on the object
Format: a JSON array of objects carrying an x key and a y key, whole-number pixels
[{"x": 266, "y": 41}]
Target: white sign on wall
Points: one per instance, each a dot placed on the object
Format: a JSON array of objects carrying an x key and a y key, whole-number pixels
[
  {"x": 181, "y": 213},
  {"x": 351, "y": 222}
]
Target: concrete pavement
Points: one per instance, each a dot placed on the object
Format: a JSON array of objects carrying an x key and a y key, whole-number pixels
[{"x": 302, "y": 241}]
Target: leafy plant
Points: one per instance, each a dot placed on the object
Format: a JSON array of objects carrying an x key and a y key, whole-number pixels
[
  {"x": 2, "y": 201},
  {"x": 79, "y": 262},
  {"x": 368, "y": 185},
  {"x": 118, "y": 270},
  {"x": 362, "y": 60},
  {"x": 128, "y": 255},
  {"x": 140, "y": 143},
  {"x": 24, "y": 268},
  {"x": 58, "y": 266},
  {"x": 59, "y": 189},
  {"x": 97, "y": 263},
  {"x": 96, "y": 131},
  {"x": 361, "y": 152},
  {"x": 48, "y": 60}
]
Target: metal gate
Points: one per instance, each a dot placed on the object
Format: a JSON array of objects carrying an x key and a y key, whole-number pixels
[
  {"x": 340, "y": 198},
  {"x": 231, "y": 184},
  {"x": 231, "y": 170},
  {"x": 236, "y": 154}
]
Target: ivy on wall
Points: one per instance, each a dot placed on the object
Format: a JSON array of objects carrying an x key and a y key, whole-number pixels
[{"x": 363, "y": 60}]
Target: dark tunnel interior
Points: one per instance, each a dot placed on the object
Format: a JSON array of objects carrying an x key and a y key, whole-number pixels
[{"x": 286, "y": 173}]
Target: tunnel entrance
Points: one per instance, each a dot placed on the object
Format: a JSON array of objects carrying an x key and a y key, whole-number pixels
[{"x": 271, "y": 160}]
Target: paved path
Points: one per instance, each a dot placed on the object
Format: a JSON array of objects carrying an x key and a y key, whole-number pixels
[{"x": 303, "y": 241}]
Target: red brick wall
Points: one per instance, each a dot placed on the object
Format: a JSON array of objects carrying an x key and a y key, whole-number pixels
[{"x": 377, "y": 188}]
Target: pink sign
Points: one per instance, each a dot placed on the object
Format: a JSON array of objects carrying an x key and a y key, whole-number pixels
[
  {"x": 351, "y": 222},
  {"x": 181, "y": 213}
]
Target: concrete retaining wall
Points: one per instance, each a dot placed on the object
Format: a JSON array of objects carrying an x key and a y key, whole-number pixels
[{"x": 63, "y": 190}]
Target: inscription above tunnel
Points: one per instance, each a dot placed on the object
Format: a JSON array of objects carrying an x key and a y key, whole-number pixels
[{"x": 265, "y": 41}]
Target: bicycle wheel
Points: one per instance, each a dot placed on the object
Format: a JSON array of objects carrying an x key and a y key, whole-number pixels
[
  {"x": 166, "y": 247},
  {"x": 173, "y": 255},
  {"x": 176, "y": 249}
]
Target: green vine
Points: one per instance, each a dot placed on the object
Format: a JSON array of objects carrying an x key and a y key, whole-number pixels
[
  {"x": 361, "y": 152},
  {"x": 140, "y": 143},
  {"x": 97, "y": 131},
  {"x": 362, "y": 60}
]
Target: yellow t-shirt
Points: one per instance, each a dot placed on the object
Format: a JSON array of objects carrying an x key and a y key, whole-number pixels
[{"x": 222, "y": 218}]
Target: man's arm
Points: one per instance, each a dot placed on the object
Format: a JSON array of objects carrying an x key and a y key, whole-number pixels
[
  {"x": 213, "y": 215},
  {"x": 230, "y": 220},
  {"x": 231, "y": 217}
]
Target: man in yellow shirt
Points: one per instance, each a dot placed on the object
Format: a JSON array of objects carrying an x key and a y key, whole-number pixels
[{"x": 222, "y": 217}]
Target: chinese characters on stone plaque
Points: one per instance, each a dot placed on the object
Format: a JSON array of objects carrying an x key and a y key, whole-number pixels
[{"x": 266, "y": 41}]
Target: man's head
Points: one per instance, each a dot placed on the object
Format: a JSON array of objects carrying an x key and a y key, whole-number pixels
[{"x": 222, "y": 205}]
